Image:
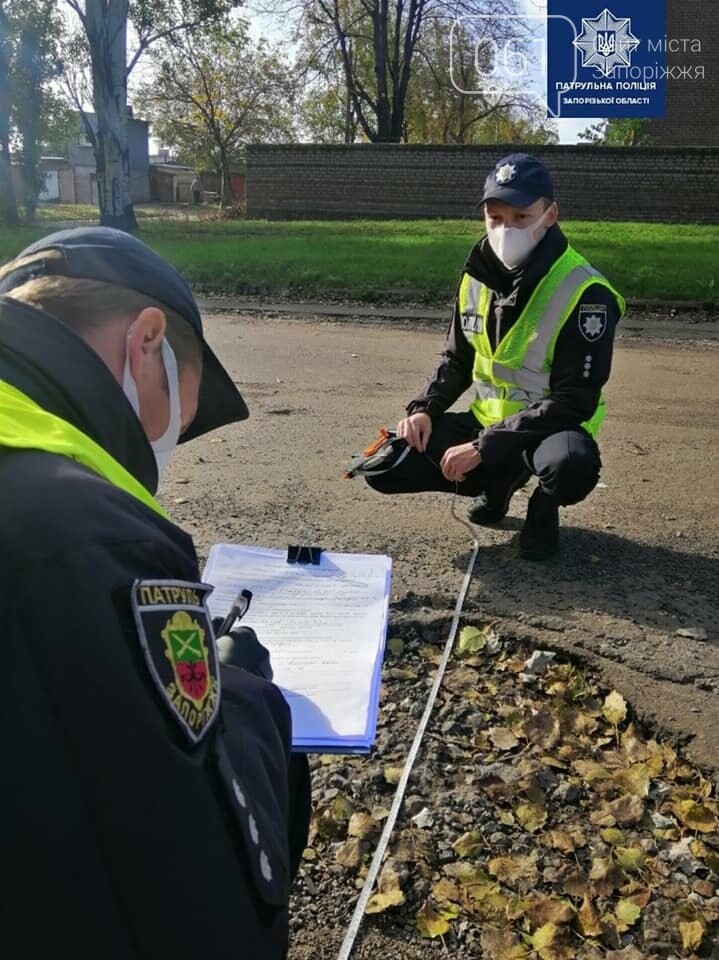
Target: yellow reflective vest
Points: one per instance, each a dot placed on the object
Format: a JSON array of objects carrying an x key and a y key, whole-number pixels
[
  {"x": 24, "y": 425},
  {"x": 517, "y": 372}
]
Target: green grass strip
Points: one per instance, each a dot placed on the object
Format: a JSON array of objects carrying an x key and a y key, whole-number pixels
[{"x": 372, "y": 260}]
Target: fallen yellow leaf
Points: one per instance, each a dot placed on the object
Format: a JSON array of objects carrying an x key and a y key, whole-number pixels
[
  {"x": 627, "y": 913},
  {"x": 469, "y": 845},
  {"x": 635, "y": 779},
  {"x": 531, "y": 816},
  {"x": 630, "y": 858},
  {"x": 471, "y": 640},
  {"x": 567, "y": 840},
  {"x": 444, "y": 891},
  {"x": 466, "y": 873},
  {"x": 692, "y": 934},
  {"x": 588, "y": 919},
  {"x": 433, "y": 921},
  {"x": 392, "y": 775},
  {"x": 543, "y": 937},
  {"x": 611, "y": 835},
  {"x": 590, "y": 770},
  {"x": 696, "y": 816},
  {"x": 615, "y": 708},
  {"x": 379, "y": 902}
]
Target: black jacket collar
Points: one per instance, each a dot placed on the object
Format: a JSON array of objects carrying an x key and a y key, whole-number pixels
[{"x": 58, "y": 370}]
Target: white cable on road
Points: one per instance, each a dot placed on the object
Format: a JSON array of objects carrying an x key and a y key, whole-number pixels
[{"x": 360, "y": 906}]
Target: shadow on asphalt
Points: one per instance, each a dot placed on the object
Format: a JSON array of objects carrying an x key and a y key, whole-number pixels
[{"x": 599, "y": 573}]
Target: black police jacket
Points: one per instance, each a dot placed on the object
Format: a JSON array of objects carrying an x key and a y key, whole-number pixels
[
  {"x": 122, "y": 836},
  {"x": 580, "y": 368}
]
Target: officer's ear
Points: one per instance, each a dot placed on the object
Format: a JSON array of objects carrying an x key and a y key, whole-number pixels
[
  {"x": 552, "y": 214},
  {"x": 144, "y": 339}
]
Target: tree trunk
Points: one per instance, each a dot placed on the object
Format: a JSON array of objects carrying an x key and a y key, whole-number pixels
[
  {"x": 381, "y": 64},
  {"x": 349, "y": 120},
  {"x": 402, "y": 67},
  {"x": 228, "y": 194},
  {"x": 29, "y": 120},
  {"x": 8, "y": 206},
  {"x": 107, "y": 35}
]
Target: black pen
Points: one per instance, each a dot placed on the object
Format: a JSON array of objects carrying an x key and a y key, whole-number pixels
[{"x": 238, "y": 609}]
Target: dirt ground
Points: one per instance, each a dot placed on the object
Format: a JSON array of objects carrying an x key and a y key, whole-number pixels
[{"x": 639, "y": 559}]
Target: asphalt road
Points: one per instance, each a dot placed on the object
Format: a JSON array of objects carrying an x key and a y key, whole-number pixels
[{"x": 640, "y": 557}]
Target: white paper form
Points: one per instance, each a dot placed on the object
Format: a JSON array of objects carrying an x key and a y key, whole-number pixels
[{"x": 325, "y": 628}]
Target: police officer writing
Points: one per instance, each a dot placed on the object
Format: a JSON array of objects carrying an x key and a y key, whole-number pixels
[
  {"x": 533, "y": 330},
  {"x": 150, "y": 807}
]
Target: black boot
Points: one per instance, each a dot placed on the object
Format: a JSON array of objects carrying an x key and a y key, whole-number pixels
[
  {"x": 491, "y": 505},
  {"x": 539, "y": 538}
]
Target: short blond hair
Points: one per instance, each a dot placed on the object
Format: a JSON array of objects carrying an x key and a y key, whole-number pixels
[{"x": 84, "y": 305}]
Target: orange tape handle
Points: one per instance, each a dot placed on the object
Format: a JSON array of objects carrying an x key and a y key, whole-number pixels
[{"x": 374, "y": 447}]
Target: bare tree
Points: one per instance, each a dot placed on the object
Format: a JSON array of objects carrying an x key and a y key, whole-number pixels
[
  {"x": 377, "y": 43},
  {"x": 104, "y": 23},
  {"x": 448, "y": 102}
]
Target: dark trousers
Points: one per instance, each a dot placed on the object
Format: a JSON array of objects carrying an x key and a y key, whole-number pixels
[{"x": 567, "y": 464}]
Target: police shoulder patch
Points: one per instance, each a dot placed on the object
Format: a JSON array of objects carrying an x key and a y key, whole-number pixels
[
  {"x": 592, "y": 321},
  {"x": 175, "y": 633}
]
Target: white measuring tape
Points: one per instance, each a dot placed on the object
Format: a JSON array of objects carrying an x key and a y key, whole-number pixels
[{"x": 366, "y": 892}]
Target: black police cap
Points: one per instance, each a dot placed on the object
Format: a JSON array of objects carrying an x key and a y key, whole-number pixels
[
  {"x": 111, "y": 256},
  {"x": 519, "y": 180}
]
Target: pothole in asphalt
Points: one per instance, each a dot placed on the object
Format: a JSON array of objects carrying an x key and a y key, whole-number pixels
[{"x": 540, "y": 819}]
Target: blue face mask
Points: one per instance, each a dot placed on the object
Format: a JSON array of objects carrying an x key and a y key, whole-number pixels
[{"x": 164, "y": 446}]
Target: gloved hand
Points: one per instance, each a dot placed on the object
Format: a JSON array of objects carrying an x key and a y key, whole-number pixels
[{"x": 241, "y": 648}]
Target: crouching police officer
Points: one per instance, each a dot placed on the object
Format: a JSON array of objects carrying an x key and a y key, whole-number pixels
[
  {"x": 533, "y": 328},
  {"x": 149, "y": 804}
]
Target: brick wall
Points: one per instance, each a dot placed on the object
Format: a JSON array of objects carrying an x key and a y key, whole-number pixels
[
  {"x": 389, "y": 180},
  {"x": 692, "y": 106}
]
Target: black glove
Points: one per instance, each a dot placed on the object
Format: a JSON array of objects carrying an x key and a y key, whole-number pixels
[{"x": 241, "y": 648}]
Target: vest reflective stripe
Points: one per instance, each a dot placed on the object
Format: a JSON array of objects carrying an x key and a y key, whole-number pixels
[
  {"x": 473, "y": 304},
  {"x": 24, "y": 425},
  {"x": 469, "y": 292},
  {"x": 519, "y": 369},
  {"x": 489, "y": 391},
  {"x": 527, "y": 379},
  {"x": 563, "y": 300}
]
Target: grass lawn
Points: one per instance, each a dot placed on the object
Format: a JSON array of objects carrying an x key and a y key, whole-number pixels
[{"x": 372, "y": 260}]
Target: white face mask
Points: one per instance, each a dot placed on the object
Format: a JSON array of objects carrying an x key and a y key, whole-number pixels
[
  {"x": 164, "y": 446},
  {"x": 513, "y": 245}
]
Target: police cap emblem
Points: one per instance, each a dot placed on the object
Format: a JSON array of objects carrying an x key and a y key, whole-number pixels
[
  {"x": 505, "y": 174},
  {"x": 176, "y": 637}
]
